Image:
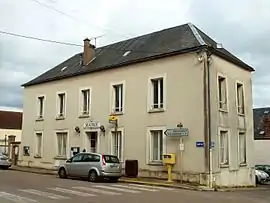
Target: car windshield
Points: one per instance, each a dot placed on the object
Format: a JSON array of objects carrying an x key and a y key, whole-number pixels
[{"x": 111, "y": 159}]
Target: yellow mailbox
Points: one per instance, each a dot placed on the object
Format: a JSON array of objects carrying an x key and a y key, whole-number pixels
[{"x": 169, "y": 159}]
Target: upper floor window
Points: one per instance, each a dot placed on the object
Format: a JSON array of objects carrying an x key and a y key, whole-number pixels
[
  {"x": 118, "y": 98},
  {"x": 41, "y": 106},
  {"x": 240, "y": 98},
  {"x": 85, "y": 101},
  {"x": 222, "y": 93},
  {"x": 157, "y": 93},
  {"x": 61, "y": 104}
]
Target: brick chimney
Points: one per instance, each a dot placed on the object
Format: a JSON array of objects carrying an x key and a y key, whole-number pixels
[{"x": 88, "y": 51}]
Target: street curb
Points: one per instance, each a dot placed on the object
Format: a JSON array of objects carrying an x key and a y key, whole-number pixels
[
  {"x": 35, "y": 171},
  {"x": 200, "y": 188}
]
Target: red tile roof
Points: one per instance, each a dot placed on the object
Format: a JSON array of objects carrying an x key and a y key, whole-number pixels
[{"x": 10, "y": 120}]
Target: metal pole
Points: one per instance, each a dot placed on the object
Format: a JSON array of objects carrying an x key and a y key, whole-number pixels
[
  {"x": 5, "y": 149},
  {"x": 211, "y": 168},
  {"x": 181, "y": 160}
]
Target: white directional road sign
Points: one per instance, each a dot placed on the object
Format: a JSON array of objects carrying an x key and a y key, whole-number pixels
[{"x": 176, "y": 132}]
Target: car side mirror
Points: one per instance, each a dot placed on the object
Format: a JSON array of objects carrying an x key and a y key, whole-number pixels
[{"x": 69, "y": 161}]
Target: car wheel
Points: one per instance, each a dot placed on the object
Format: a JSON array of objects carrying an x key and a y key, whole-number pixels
[
  {"x": 92, "y": 176},
  {"x": 62, "y": 173},
  {"x": 114, "y": 179}
]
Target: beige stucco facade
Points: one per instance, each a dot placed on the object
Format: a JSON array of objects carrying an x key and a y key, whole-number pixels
[
  {"x": 183, "y": 102},
  {"x": 4, "y": 134}
]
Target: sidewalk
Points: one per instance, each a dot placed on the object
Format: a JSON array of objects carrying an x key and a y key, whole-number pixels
[{"x": 142, "y": 181}]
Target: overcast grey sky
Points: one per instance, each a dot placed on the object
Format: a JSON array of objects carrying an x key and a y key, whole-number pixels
[{"x": 241, "y": 26}]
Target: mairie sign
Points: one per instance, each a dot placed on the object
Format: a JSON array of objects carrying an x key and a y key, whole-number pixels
[{"x": 176, "y": 132}]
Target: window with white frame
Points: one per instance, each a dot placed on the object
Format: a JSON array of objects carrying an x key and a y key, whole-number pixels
[
  {"x": 156, "y": 145},
  {"x": 40, "y": 106},
  {"x": 240, "y": 98},
  {"x": 118, "y": 97},
  {"x": 61, "y": 143},
  {"x": 38, "y": 144},
  {"x": 85, "y": 101},
  {"x": 61, "y": 104},
  {"x": 222, "y": 92},
  {"x": 117, "y": 147},
  {"x": 157, "y": 93},
  {"x": 224, "y": 147},
  {"x": 242, "y": 147}
]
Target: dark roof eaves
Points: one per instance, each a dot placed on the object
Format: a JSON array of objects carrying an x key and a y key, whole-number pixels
[
  {"x": 230, "y": 59},
  {"x": 188, "y": 50}
]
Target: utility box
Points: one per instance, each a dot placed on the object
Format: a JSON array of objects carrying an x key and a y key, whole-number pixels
[{"x": 169, "y": 159}]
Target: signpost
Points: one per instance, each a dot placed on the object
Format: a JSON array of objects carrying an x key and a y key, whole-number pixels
[{"x": 178, "y": 132}]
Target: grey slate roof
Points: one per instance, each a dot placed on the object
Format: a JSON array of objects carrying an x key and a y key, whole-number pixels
[
  {"x": 167, "y": 42},
  {"x": 259, "y": 115}
]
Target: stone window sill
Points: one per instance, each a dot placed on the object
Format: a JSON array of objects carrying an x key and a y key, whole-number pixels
[
  {"x": 156, "y": 110},
  {"x": 60, "y": 157},
  {"x": 40, "y": 119},
  {"x": 60, "y": 118},
  {"x": 37, "y": 157},
  {"x": 223, "y": 110},
  {"x": 84, "y": 116},
  {"x": 224, "y": 165},
  {"x": 155, "y": 163},
  {"x": 243, "y": 164}
]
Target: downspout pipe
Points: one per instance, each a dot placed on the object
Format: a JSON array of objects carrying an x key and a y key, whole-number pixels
[
  {"x": 207, "y": 115},
  {"x": 210, "y": 157}
]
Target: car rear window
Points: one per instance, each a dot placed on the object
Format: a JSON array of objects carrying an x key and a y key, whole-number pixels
[
  {"x": 4, "y": 158},
  {"x": 111, "y": 159}
]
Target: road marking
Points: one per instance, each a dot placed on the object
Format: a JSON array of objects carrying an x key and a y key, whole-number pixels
[
  {"x": 44, "y": 194},
  {"x": 16, "y": 198},
  {"x": 135, "y": 188},
  {"x": 58, "y": 189},
  {"x": 153, "y": 187},
  {"x": 117, "y": 189},
  {"x": 97, "y": 191}
]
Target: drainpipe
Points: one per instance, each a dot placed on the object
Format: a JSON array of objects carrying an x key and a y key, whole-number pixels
[
  {"x": 207, "y": 116},
  {"x": 210, "y": 161}
]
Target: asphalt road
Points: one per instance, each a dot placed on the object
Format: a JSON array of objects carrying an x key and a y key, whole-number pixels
[{"x": 22, "y": 187}]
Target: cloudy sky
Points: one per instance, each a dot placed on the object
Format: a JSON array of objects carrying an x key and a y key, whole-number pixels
[{"x": 241, "y": 26}]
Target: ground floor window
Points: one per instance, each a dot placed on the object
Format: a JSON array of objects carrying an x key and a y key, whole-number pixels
[
  {"x": 117, "y": 144},
  {"x": 224, "y": 147},
  {"x": 242, "y": 147},
  {"x": 156, "y": 148},
  {"x": 61, "y": 143},
  {"x": 38, "y": 144}
]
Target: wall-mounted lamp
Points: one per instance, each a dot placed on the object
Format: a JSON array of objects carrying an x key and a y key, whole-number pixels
[
  {"x": 102, "y": 128},
  {"x": 77, "y": 129},
  {"x": 179, "y": 125}
]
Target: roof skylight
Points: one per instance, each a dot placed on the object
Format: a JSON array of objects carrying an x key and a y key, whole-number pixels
[
  {"x": 64, "y": 68},
  {"x": 126, "y": 53}
]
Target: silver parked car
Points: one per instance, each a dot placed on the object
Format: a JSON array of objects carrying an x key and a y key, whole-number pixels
[
  {"x": 5, "y": 162},
  {"x": 261, "y": 177},
  {"x": 91, "y": 166}
]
